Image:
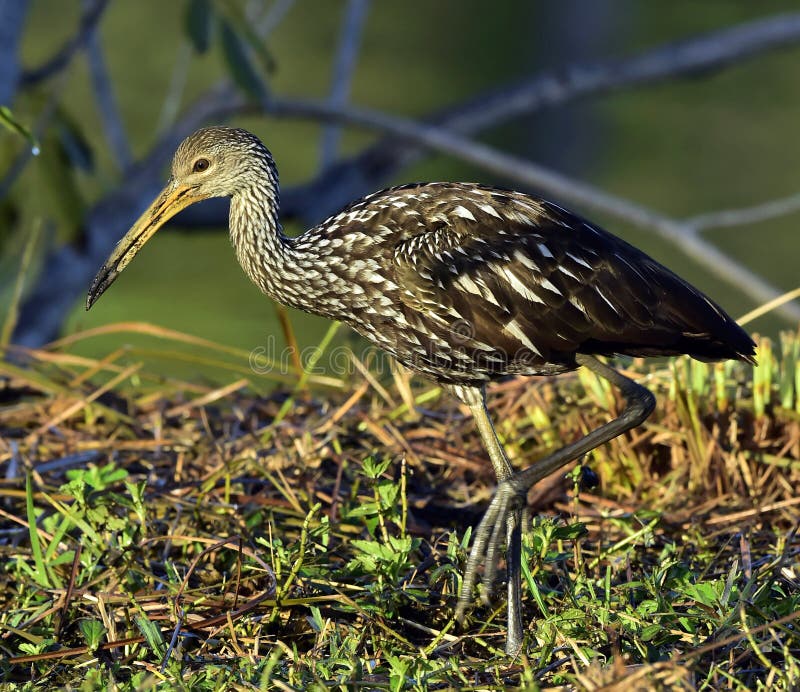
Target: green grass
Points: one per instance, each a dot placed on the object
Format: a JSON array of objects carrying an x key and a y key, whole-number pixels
[{"x": 160, "y": 536}]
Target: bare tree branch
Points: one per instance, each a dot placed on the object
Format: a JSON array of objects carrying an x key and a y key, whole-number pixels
[
  {"x": 177, "y": 85},
  {"x": 64, "y": 55},
  {"x": 699, "y": 55},
  {"x": 343, "y": 68},
  {"x": 273, "y": 17},
  {"x": 729, "y": 218},
  {"x": 12, "y": 19},
  {"x": 106, "y": 104}
]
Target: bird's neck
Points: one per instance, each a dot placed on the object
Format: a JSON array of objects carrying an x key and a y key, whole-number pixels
[{"x": 264, "y": 251}]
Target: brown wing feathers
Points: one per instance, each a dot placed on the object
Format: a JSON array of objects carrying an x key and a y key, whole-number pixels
[{"x": 530, "y": 278}]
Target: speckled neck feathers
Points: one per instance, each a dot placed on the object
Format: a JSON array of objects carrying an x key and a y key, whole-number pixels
[{"x": 262, "y": 249}]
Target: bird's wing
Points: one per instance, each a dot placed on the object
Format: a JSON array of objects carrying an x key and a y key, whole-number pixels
[{"x": 525, "y": 276}]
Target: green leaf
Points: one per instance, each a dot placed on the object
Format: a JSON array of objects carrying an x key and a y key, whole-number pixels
[
  {"x": 706, "y": 593},
  {"x": 109, "y": 475},
  {"x": 12, "y": 314},
  {"x": 240, "y": 66},
  {"x": 40, "y": 574},
  {"x": 136, "y": 492},
  {"x": 374, "y": 468},
  {"x": 75, "y": 488},
  {"x": 368, "y": 509},
  {"x": 570, "y": 531},
  {"x": 98, "y": 477},
  {"x": 199, "y": 14},
  {"x": 388, "y": 491},
  {"x": 92, "y": 631},
  {"x": 8, "y": 121},
  {"x": 650, "y": 632},
  {"x": 152, "y": 635},
  {"x": 238, "y": 20},
  {"x": 316, "y": 619},
  {"x": 368, "y": 547},
  {"x": 36, "y": 647},
  {"x": 647, "y": 607}
]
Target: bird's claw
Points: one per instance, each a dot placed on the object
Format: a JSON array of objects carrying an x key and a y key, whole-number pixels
[{"x": 488, "y": 542}]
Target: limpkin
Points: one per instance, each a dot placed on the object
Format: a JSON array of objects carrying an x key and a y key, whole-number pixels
[{"x": 463, "y": 283}]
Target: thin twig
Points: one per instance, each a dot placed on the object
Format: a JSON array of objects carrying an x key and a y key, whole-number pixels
[
  {"x": 12, "y": 23},
  {"x": 273, "y": 17},
  {"x": 64, "y": 55},
  {"x": 177, "y": 84},
  {"x": 343, "y": 68},
  {"x": 769, "y": 306},
  {"x": 729, "y": 218},
  {"x": 106, "y": 104}
]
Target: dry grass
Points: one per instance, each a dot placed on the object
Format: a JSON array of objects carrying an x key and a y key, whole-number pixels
[{"x": 167, "y": 534}]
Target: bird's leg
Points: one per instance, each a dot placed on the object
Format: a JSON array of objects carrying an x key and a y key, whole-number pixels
[
  {"x": 512, "y": 491},
  {"x": 475, "y": 398}
]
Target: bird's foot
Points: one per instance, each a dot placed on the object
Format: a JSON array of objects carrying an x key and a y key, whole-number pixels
[{"x": 490, "y": 539}]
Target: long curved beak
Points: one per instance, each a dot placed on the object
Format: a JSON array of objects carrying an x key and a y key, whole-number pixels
[{"x": 172, "y": 199}]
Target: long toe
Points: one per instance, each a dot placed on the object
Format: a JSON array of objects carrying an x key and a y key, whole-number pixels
[{"x": 488, "y": 543}]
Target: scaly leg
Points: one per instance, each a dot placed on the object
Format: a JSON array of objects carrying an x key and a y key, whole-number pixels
[
  {"x": 475, "y": 398},
  {"x": 512, "y": 491}
]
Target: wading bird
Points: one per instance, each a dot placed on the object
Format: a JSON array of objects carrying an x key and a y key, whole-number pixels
[{"x": 464, "y": 284}]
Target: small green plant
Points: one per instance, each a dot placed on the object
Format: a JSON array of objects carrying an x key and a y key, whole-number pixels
[
  {"x": 93, "y": 632},
  {"x": 383, "y": 558}
]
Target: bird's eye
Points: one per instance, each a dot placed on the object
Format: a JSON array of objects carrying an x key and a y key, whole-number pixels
[{"x": 201, "y": 165}]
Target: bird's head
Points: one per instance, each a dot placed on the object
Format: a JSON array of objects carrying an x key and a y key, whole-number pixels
[{"x": 212, "y": 162}]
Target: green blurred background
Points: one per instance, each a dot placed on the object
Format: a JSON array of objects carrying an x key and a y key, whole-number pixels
[{"x": 683, "y": 147}]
